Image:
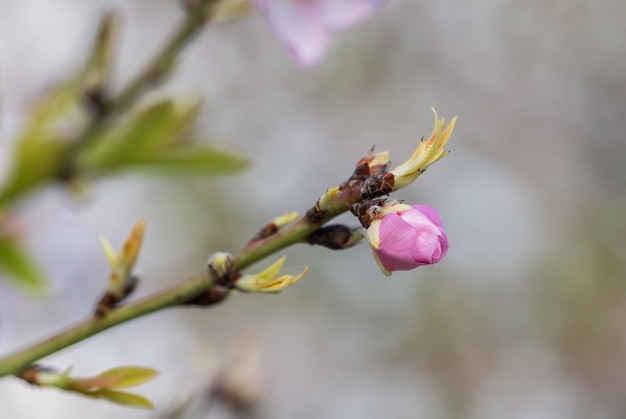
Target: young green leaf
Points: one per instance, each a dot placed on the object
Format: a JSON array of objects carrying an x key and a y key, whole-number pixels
[
  {"x": 191, "y": 159},
  {"x": 41, "y": 147},
  {"x": 155, "y": 139},
  {"x": 123, "y": 398},
  {"x": 18, "y": 266},
  {"x": 154, "y": 130},
  {"x": 102, "y": 386},
  {"x": 37, "y": 160},
  {"x": 124, "y": 377}
]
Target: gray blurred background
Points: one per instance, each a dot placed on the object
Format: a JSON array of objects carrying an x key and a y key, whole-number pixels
[{"x": 524, "y": 319}]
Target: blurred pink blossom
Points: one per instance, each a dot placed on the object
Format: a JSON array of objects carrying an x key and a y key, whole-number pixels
[
  {"x": 404, "y": 237},
  {"x": 305, "y": 26}
]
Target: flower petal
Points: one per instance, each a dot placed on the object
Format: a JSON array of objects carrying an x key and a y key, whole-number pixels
[
  {"x": 299, "y": 26},
  {"x": 428, "y": 212},
  {"x": 341, "y": 14},
  {"x": 396, "y": 235},
  {"x": 392, "y": 261}
]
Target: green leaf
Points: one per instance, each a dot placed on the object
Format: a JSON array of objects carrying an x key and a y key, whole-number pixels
[
  {"x": 150, "y": 131},
  {"x": 123, "y": 398},
  {"x": 37, "y": 160},
  {"x": 152, "y": 128},
  {"x": 17, "y": 264},
  {"x": 124, "y": 377},
  {"x": 154, "y": 140},
  {"x": 52, "y": 113},
  {"x": 191, "y": 159},
  {"x": 142, "y": 134},
  {"x": 40, "y": 149}
]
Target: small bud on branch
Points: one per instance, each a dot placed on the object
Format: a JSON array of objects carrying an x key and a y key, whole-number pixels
[
  {"x": 122, "y": 282},
  {"x": 336, "y": 237}
]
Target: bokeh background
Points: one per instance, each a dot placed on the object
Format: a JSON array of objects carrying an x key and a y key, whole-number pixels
[{"x": 524, "y": 319}]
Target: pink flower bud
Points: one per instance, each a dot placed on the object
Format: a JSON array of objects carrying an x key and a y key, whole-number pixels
[{"x": 404, "y": 237}]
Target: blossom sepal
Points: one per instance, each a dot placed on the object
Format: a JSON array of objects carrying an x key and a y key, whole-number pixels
[
  {"x": 426, "y": 153},
  {"x": 268, "y": 281},
  {"x": 371, "y": 165}
]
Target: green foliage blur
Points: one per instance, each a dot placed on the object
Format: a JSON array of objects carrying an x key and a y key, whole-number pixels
[{"x": 77, "y": 134}]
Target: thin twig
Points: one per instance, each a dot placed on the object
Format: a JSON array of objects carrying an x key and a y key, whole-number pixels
[
  {"x": 175, "y": 296},
  {"x": 196, "y": 18}
]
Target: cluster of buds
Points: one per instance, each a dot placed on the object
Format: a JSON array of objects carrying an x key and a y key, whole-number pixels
[
  {"x": 402, "y": 237},
  {"x": 226, "y": 278}
]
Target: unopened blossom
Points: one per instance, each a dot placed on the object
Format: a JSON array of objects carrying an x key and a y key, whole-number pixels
[
  {"x": 404, "y": 237},
  {"x": 306, "y": 26}
]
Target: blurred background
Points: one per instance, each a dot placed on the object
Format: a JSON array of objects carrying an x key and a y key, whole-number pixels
[{"x": 524, "y": 319}]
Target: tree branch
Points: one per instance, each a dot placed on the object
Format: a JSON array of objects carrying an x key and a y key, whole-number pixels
[
  {"x": 196, "y": 18},
  {"x": 174, "y": 296}
]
